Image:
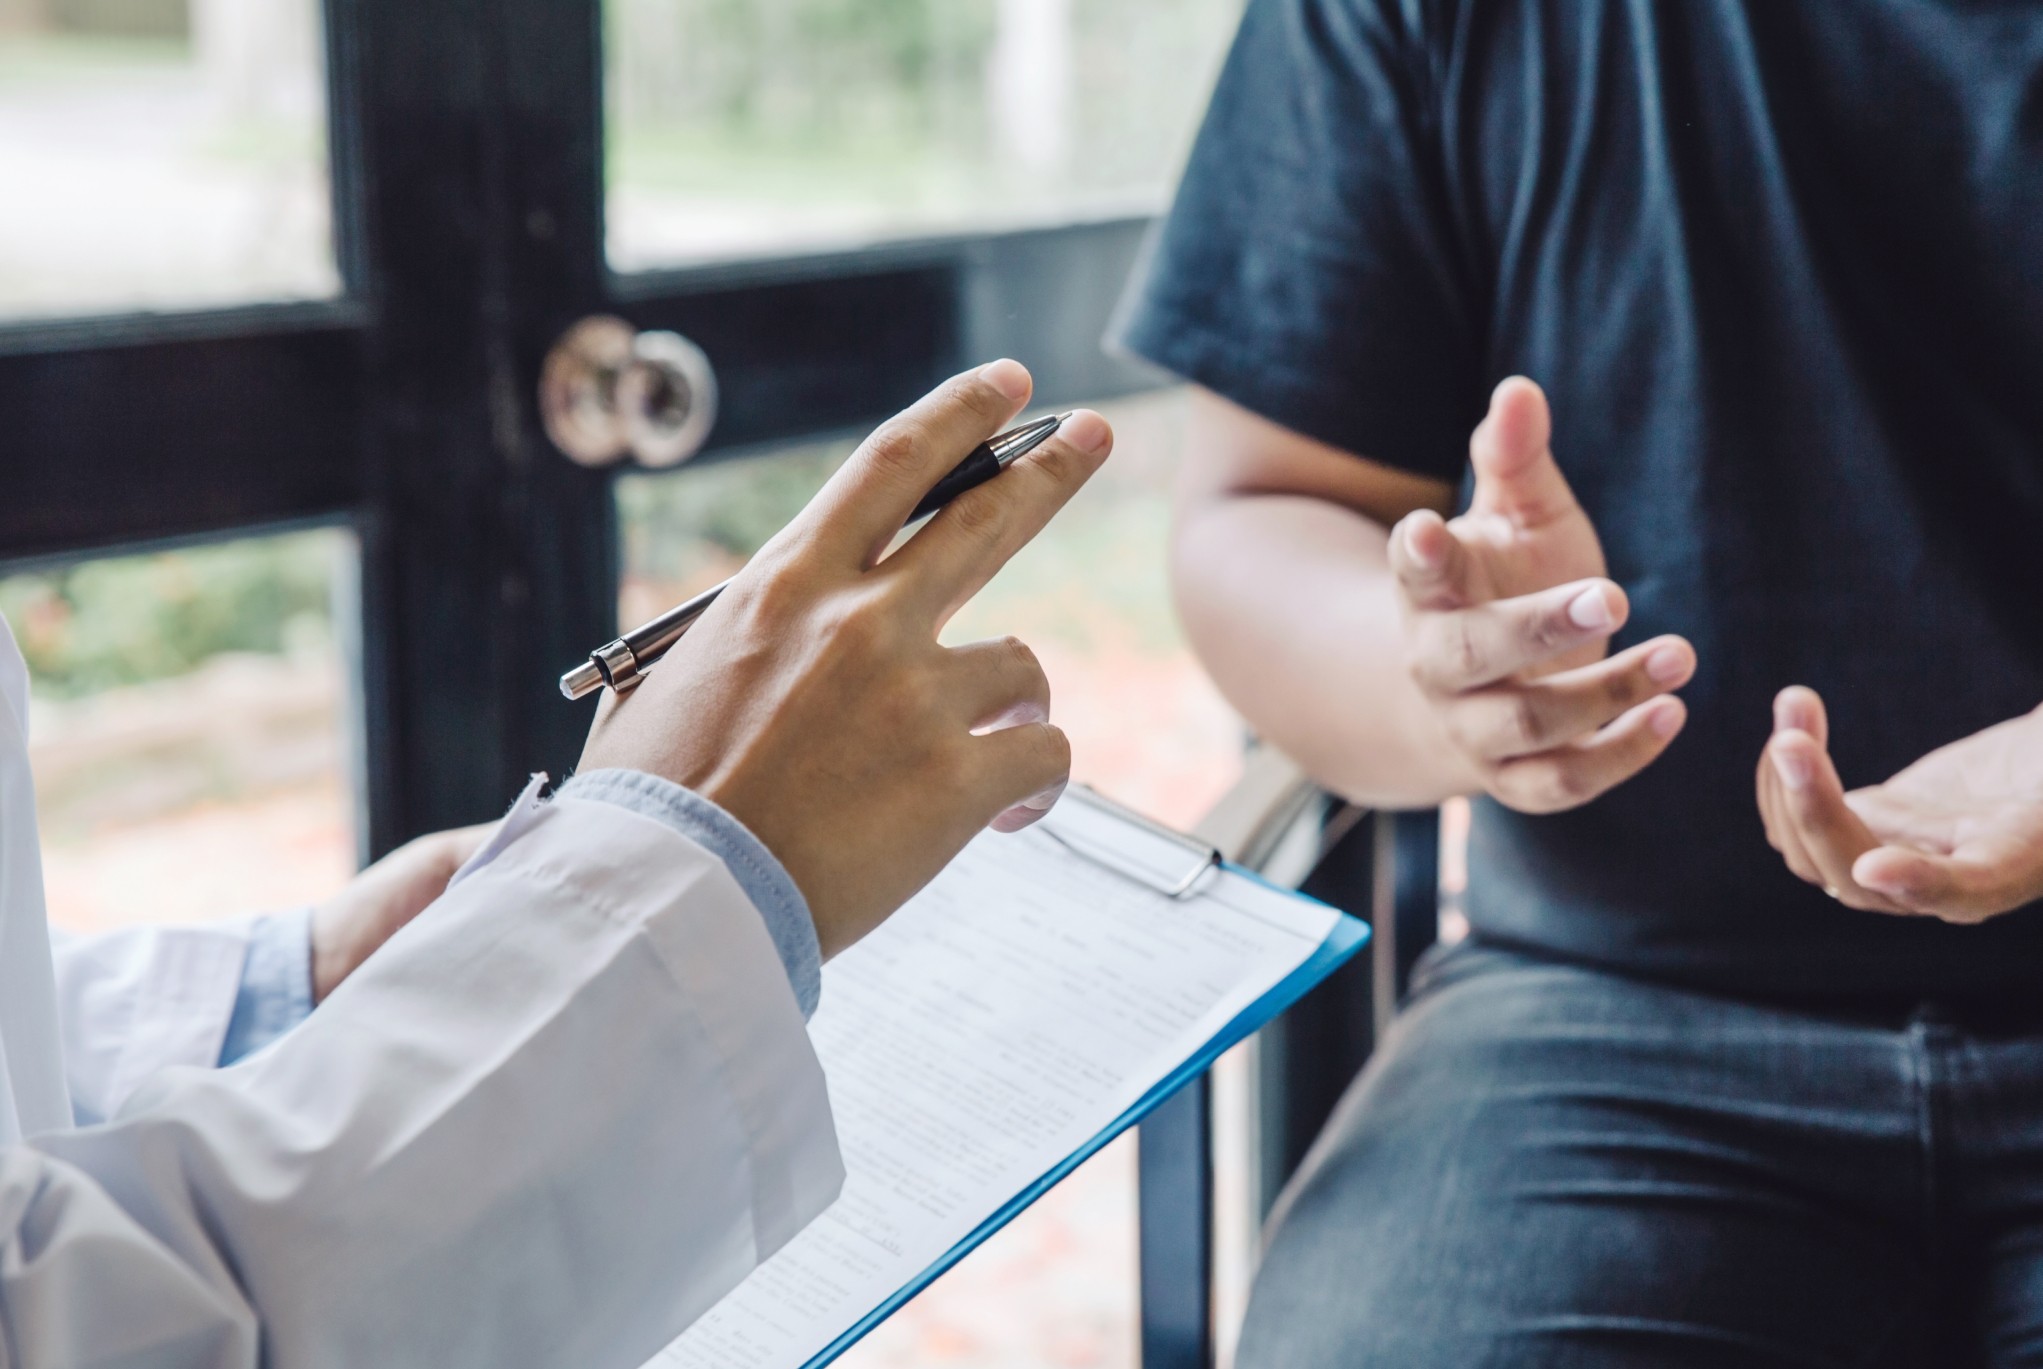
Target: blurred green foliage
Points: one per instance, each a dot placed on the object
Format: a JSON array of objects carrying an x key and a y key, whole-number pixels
[
  {"x": 892, "y": 97},
  {"x": 1093, "y": 577},
  {"x": 803, "y": 66},
  {"x": 126, "y": 619},
  {"x": 690, "y": 526},
  {"x": 41, "y": 57}
]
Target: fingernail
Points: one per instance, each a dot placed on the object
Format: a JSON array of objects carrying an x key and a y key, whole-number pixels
[
  {"x": 1426, "y": 560},
  {"x": 1790, "y": 714},
  {"x": 1087, "y": 431},
  {"x": 1009, "y": 377},
  {"x": 1046, "y": 800},
  {"x": 1793, "y": 768},
  {"x": 1873, "y": 878},
  {"x": 1666, "y": 665},
  {"x": 1591, "y": 610},
  {"x": 1665, "y": 721}
]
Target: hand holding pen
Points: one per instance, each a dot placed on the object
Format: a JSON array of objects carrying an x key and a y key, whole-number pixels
[
  {"x": 813, "y": 700},
  {"x": 621, "y": 664}
]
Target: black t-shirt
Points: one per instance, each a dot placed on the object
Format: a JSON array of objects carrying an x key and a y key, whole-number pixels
[{"x": 1779, "y": 265}]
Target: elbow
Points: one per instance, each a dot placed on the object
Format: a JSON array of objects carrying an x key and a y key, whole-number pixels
[{"x": 1200, "y": 552}]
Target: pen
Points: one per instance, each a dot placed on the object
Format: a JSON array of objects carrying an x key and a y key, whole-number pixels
[{"x": 622, "y": 663}]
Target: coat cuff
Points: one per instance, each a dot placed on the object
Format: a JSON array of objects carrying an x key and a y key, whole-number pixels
[
  {"x": 765, "y": 881},
  {"x": 276, "y": 984}
]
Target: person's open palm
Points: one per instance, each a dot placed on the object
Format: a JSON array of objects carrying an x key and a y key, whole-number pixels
[
  {"x": 1958, "y": 835},
  {"x": 1508, "y": 618}
]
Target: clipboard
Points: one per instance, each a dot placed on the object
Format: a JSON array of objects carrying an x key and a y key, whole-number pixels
[
  {"x": 1172, "y": 878},
  {"x": 1151, "y": 886}
]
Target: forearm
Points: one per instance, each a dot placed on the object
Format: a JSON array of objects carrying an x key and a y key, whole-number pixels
[{"x": 1290, "y": 603}]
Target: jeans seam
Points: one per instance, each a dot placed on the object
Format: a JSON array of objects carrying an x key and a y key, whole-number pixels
[
  {"x": 1915, "y": 1059},
  {"x": 1923, "y": 1085}
]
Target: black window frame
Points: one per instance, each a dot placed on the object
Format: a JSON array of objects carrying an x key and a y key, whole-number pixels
[{"x": 466, "y": 147}]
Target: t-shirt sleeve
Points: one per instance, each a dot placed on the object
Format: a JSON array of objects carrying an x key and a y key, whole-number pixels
[{"x": 1308, "y": 269}]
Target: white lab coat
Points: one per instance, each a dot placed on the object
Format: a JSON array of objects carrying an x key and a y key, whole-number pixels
[{"x": 549, "y": 1124}]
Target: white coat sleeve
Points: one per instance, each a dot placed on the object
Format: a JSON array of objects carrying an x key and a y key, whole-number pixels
[
  {"x": 551, "y": 1123},
  {"x": 139, "y": 1000}
]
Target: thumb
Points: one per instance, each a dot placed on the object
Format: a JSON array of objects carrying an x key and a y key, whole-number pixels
[
  {"x": 1515, "y": 471},
  {"x": 1799, "y": 708}
]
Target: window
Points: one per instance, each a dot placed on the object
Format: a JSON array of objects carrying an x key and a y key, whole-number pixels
[
  {"x": 161, "y": 153},
  {"x": 745, "y": 130},
  {"x": 187, "y": 729}
]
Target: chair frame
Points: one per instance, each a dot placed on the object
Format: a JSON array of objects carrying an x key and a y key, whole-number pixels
[{"x": 1381, "y": 866}]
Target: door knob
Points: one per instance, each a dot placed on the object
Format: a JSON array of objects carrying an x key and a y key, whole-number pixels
[{"x": 607, "y": 390}]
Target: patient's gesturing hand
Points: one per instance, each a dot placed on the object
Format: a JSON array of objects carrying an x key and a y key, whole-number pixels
[
  {"x": 813, "y": 701},
  {"x": 1508, "y": 621},
  {"x": 1958, "y": 835}
]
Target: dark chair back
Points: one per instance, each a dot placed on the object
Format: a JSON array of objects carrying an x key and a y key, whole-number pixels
[{"x": 1385, "y": 868}]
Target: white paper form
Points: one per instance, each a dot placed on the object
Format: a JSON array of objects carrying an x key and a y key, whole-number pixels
[{"x": 1002, "y": 1019}]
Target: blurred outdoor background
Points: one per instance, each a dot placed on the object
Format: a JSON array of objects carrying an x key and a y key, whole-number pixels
[
  {"x": 194, "y": 709},
  {"x": 173, "y": 152},
  {"x": 749, "y": 128},
  {"x": 161, "y": 154}
]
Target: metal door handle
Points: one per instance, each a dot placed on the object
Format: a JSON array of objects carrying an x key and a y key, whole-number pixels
[{"x": 607, "y": 390}]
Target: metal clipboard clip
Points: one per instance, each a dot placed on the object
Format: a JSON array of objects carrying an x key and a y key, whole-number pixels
[{"x": 1115, "y": 837}]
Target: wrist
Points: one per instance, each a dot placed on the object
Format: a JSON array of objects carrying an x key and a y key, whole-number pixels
[
  {"x": 1406, "y": 759},
  {"x": 332, "y": 957}
]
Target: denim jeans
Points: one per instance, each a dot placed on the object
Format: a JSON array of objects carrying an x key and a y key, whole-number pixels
[{"x": 1547, "y": 1164}]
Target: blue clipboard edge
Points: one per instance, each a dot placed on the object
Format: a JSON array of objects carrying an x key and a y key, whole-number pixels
[{"x": 1347, "y": 936}]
